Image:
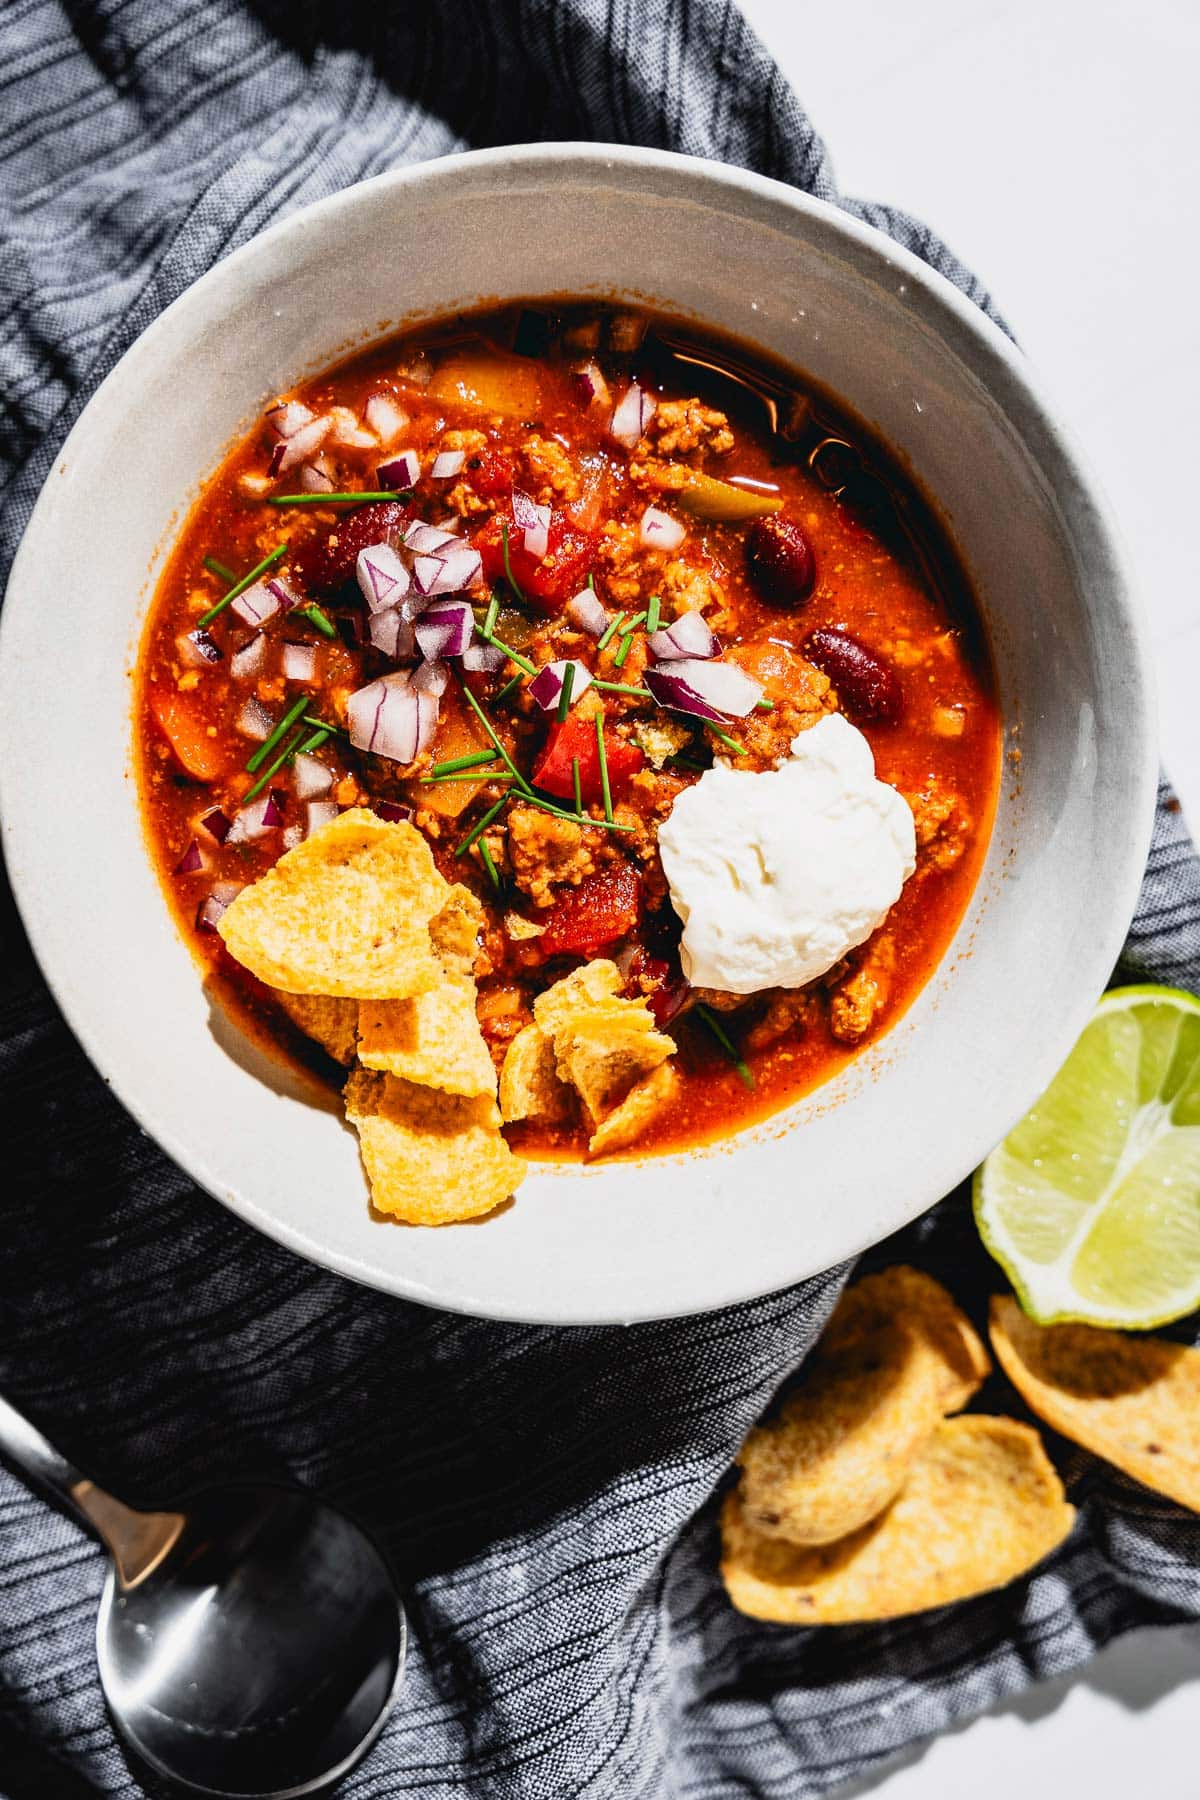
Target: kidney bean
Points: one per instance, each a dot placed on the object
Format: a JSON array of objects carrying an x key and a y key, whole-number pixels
[
  {"x": 867, "y": 686},
  {"x": 780, "y": 560}
]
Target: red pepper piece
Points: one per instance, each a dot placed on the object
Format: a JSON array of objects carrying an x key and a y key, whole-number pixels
[
  {"x": 550, "y": 582},
  {"x": 490, "y": 473},
  {"x": 576, "y": 737},
  {"x": 604, "y": 907},
  {"x": 326, "y": 565}
]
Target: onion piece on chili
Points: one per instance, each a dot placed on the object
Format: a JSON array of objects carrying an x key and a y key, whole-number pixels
[
  {"x": 483, "y": 659},
  {"x": 430, "y": 678},
  {"x": 534, "y": 521},
  {"x": 392, "y": 633},
  {"x": 258, "y": 604},
  {"x": 210, "y": 910},
  {"x": 706, "y": 690},
  {"x": 400, "y": 471},
  {"x": 592, "y": 388},
  {"x": 314, "y": 479},
  {"x": 348, "y": 432},
  {"x": 447, "y": 463},
  {"x": 454, "y": 568},
  {"x": 395, "y": 812},
  {"x": 293, "y": 837},
  {"x": 192, "y": 860},
  {"x": 547, "y": 684},
  {"x": 197, "y": 649},
  {"x": 254, "y": 821},
  {"x": 688, "y": 635},
  {"x": 659, "y": 531},
  {"x": 300, "y": 662},
  {"x": 286, "y": 419},
  {"x": 385, "y": 418},
  {"x": 282, "y": 592},
  {"x": 254, "y": 721},
  {"x": 216, "y": 823},
  {"x": 633, "y": 413},
  {"x": 300, "y": 446},
  {"x": 390, "y": 718},
  {"x": 587, "y": 611},
  {"x": 320, "y": 812},
  {"x": 247, "y": 663},
  {"x": 426, "y": 540},
  {"x": 444, "y": 629},
  {"x": 311, "y": 778},
  {"x": 382, "y": 577}
]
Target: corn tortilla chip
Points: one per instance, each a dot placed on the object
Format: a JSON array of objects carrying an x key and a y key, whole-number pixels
[
  {"x": 431, "y": 1158},
  {"x": 332, "y": 1023},
  {"x": 982, "y": 1505},
  {"x": 433, "y": 1039},
  {"x": 454, "y": 931},
  {"x": 896, "y": 1355},
  {"x": 1135, "y": 1401},
  {"x": 602, "y": 1052},
  {"x": 584, "y": 987},
  {"x": 644, "y": 1101},
  {"x": 345, "y": 913},
  {"x": 530, "y": 1087}
]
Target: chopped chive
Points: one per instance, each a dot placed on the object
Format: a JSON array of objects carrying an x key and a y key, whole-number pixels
[
  {"x": 510, "y": 684},
  {"x": 602, "y": 754},
  {"x": 568, "y": 687},
  {"x": 316, "y": 615},
  {"x": 490, "y": 617},
  {"x": 727, "y": 1044},
  {"x": 610, "y": 631},
  {"x": 314, "y": 740},
  {"x": 765, "y": 705},
  {"x": 489, "y": 865},
  {"x": 288, "y": 750},
  {"x": 239, "y": 587},
  {"x": 324, "y": 725},
  {"x": 653, "y": 612},
  {"x": 523, "y": 663},
  {"x": 513, "y": 583},
  {"x": 476, "y": 831},
  {"x": 219, "y": 568},
  {"x": 335, "y": 499},
  {"x": 622, "y": 650},
  {"x": 622, "y": 687},
  {"x": 591, "y": 581},
  {"x": 577, "y": 784},
  {"x": 284, "y": 726},
  {"x": 463, "y": 762},
  {"x": 561, "y": 812},
  {"x": 462, "y": 780},
  {"x": 507, "y": 760},
  {"x": 730, "y": 743},
  {"x": 687, "y": 762}
]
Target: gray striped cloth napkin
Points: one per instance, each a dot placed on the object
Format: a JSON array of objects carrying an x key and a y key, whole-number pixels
[{"x": 548, "y": 1495}]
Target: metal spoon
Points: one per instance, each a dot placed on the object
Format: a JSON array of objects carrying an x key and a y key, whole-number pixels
[{"x": 250, "y": 1646}]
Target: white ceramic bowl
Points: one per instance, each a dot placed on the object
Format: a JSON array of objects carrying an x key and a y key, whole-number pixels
[{"x": 946, "y": 390}]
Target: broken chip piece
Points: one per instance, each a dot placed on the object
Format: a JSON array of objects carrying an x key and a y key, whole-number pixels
[
  {"x": 346, "y": 913},
  {"x": 530, "y": 1085},
  {"x": 1135, "y": 1401},
  {"x": 641, "y": 1104},
  {"x": 586, "y": 986},
  {"x": 454, "y": 931},
  {"x": 433, "y": 1039},
  {"x": 431, "y": 1158},
  {"x": 896, "y": 1356},
  {"x": 981, "y": 1506},
  {"x": 329, "y": 1021},
  {"x": 604, "y": 1050}
]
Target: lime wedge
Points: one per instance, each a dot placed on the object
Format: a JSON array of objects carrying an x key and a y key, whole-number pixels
[{"x": 1092, "y": 1203}]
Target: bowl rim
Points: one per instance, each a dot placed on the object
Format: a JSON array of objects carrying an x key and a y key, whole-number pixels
[{"x": 938, "y": 304}]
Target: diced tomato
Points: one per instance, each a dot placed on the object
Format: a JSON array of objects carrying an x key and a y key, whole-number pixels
[
  {"x": 326, "y": 565},
  {"x": 553, "y": 580},
  {"x": 659, "y": 981},
  {"x": 490, "y": 473},
  {"x": 604, "y": 907},
  {"x": 183, "y": 725},
  {"x": 576, "y": 737}
]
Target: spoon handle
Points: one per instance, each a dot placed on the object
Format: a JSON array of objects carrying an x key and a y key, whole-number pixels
[{"x": 23, "y": 1444}]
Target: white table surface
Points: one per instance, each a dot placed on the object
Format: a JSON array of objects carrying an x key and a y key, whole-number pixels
[{"x": 1056, "y": 147}]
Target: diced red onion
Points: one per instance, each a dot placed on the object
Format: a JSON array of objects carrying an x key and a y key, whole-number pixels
[
  {"x": 320, "y": 812},
  {"x": 311, "y": 778},
  {"x": 348, "y": 432},
  {"x": 282, "y": 592},
  {"x": 395, "y": 812},
  {"x": 393, "y": 634},
  {"x": 632, "y": 415},
  {"x": 547, "y": 684},
  {"x": 216, "y": 823},
  {"x": 314, "y": 479},
  {"x": 400, "y": 471},
  {"x": 688, "y": 635},
  {"x": 254, "y": 721},
  {"x": 447, "y": 463},
  {"x": 192, "y": 860},
  {"x": 247, "y": 663},
  {"x": 196, "y": 649},
  {"x": 587, "y": 611},
  {"x": 382, "y": 576},
  {"x": 592, "y": 387},
  {"x": 300, "y": 662},
  {"x": 388, "y": 718},
  {"x": 706, "y": 690},
  {"x": 534, "y": 521},
  {"x": 273, "y": 811},
  {"x": 254, "y": 821},
  {"x": 385, "y": 418},
  {"x": 258, "y": 604},
  {"x": 426, "y": 540},
  {"x": 430, "y": 678},
  {"x": 444, "y": 629},
  {"x": 286, "y": 419},
  {"x": 219, "y": 901},
  {"x": 659, "y": 531},
  {"x": 454, "y": 568},
  {"x": 293, "y": 837},
  {"x": 483, "y": 659},
  {"x": 302, "y": 444}
]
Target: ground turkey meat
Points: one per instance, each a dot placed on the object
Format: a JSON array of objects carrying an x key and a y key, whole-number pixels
[
  {"x": 942, "y": 826},
  {"x": 681, "y": 426},
  {"x": 652, "y": 794},
  {"x": 546, "y": 853},
  {"x": 800, "y": 693},
  {"x": 859, "y": 998},
  {"x": 462, "y": 497},
  {"x": 696, "y": 587},
  {"x": 786, "y": 1008},
  {"x": 551, "y": 477}
]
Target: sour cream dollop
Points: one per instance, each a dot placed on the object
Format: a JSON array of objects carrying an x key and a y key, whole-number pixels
[{"x": 776, "y": 875}]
